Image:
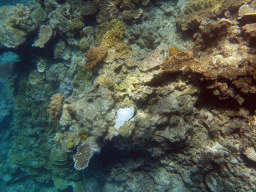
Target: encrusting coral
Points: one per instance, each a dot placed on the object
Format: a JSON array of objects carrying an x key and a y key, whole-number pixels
[{"x": 55, "y": 106}]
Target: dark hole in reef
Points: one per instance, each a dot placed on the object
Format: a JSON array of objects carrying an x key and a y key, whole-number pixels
[{"x": 5, "y": 124}]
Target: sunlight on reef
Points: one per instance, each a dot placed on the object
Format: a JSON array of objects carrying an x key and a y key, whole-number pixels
[{"x": 128, "y": 95}]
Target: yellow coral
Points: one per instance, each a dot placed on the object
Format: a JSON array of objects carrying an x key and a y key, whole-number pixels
[{"x": 110, "y": 34}]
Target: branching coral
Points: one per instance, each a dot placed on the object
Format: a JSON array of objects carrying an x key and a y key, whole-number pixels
[{"x": 110, "y": 34}]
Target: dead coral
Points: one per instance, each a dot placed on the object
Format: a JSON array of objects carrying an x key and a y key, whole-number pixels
[
  {"x": 55, "y": 106},
  {"x": 82, "y": 156},
  {"x": 94, "y": 56}
]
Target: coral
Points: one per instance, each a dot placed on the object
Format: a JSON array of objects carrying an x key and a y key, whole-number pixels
[
  {"x": 228, "y": 66},
  {"x": 129, "y": 15},
  {"x": 41, "y": 65},
  {"x": 83, "y": 155},
  {"x": 55, "y": 106},
  {"x": 56, "y": 72},
  {"x": 145, "y": 2},
  {"x": 60, "y": 50},
  {"x": 110, "y": 34},
  {"x": 68, "y": 18},
  {"x": 35, "y": 77},
  {"x": 84, "y": 43},
  {"x": 246, "y": 11},
  {"x": 94, "y": 56},
  {"x": 45, "y": 34},
  {"x": 18, "y": 21},
  {"x": 173, "y": 51},
  {"x": 108, "y": 11},
  {"x": 196, "y": 11}
]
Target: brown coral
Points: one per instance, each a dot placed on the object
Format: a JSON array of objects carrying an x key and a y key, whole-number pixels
[
  {"x": 82, "y": 156},
  {"x": 55, "y": 106},
  {"x": 94, "y": 56}
]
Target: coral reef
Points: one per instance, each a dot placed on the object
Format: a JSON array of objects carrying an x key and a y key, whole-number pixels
[
  {"x": 108, "y": 11},
  {"x": 152, "y": 116},
  {"x": 68, "y": 18},
  {"x": 55, "y": 107}
]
